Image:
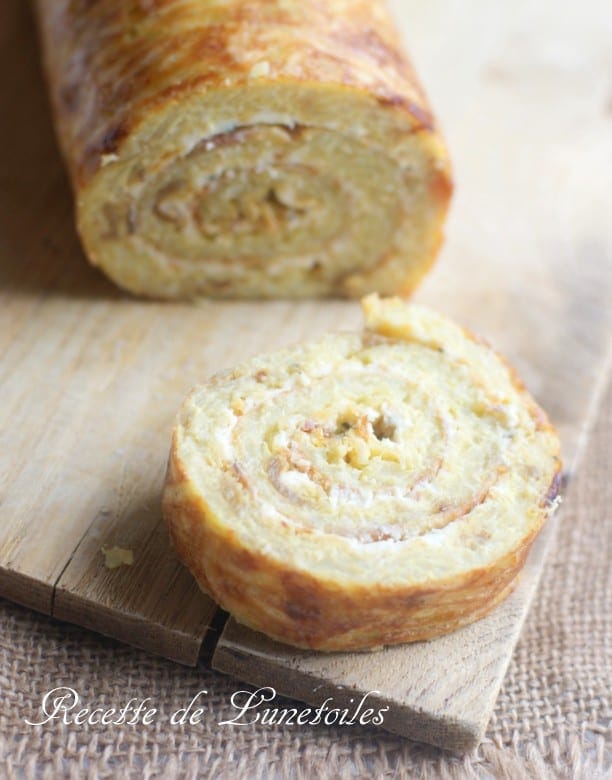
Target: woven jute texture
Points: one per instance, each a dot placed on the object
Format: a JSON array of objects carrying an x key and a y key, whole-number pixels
[{"x": 551, "y": 720}]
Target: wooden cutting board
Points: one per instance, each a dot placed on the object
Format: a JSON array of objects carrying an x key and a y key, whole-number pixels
[{"x": 90, "y": 378}]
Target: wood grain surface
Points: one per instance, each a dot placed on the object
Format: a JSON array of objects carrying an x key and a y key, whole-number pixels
[{"x": 90, "y": 379}]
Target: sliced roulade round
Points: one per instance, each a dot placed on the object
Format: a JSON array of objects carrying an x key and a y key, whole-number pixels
[{"x": 362, "y": 489}]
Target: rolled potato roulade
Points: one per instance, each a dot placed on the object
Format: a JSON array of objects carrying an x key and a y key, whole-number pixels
[
  {"x": 363, "y": 489},
  {"x": 246, "y": 147}
]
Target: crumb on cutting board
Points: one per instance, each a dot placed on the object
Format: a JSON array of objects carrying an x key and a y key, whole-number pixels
[{"x": 117, "y": 556}]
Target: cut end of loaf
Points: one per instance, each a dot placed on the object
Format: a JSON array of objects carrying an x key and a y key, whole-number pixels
[
  {"x": 271, "y": 190},
  {"x": 246, "y": 149}
]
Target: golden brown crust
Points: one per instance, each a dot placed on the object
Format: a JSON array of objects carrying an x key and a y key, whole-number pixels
[
  {"x": 304, "y": 611},
  {"x": 272, "y": 593},
  {"x": 142, "y": 55},
  {"x": 139, "y": 87}
]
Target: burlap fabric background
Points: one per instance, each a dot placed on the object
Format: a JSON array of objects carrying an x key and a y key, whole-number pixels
[{"x": 550, "y": 721}]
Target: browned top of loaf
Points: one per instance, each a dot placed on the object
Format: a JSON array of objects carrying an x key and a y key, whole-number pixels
[{"x": 112, "y": 62}]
